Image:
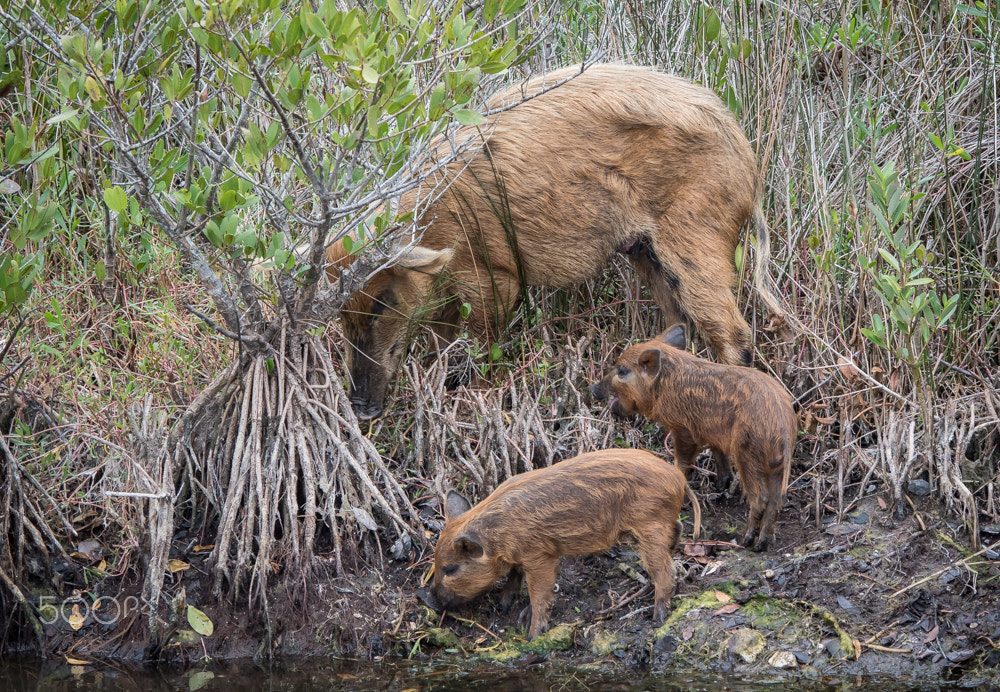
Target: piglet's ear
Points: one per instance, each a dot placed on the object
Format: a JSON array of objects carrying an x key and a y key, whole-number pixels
[
  {"x": 455, "y": 505},
  {"x": 676, "y": 336},
  {"x": 649, "y": 362},
  {"x": 468, "y": 546}
]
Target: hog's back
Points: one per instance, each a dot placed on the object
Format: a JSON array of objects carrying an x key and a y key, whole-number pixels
[
  {"x": 587, "y": 166},
  {"x": 579, "y": 506}
]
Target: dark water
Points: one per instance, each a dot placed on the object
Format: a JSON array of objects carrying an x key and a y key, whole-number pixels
[{"x": 402, "y": 677}]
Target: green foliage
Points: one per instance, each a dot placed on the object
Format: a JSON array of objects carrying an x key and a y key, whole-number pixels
[
  {"x": 227, "y": 123},
  {"x": 915, "y": 310}
]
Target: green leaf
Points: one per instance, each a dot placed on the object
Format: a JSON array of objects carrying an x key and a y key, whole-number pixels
[
  {"x": 495, "y": 352},
  {"x": 397, "y": 12},
  {"x": 100, "y": 271},
  {"x": 889, "y": 258},
  {"x": 116, "y": 199},
  {"x": 468, "y": 117},
  {"x": 199, "y": 622},
  {"x": 64, "y": 115},
  {"x": 369, "y": 74}
]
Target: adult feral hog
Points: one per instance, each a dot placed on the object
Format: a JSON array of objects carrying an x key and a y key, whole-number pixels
[
  {"x": 576, "y": 507},
  {"x": 745, "y": 417},
  {"x": 618, "y": 159}
]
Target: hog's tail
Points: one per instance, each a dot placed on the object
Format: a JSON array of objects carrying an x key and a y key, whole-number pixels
[
  {"x": 762, "y": 280},
  {"x": 695, "y": 511}
]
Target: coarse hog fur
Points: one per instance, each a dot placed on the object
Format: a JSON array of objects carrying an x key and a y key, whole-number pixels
[
  {"x": 575, "y": 507},
  {"x": 617, "y": 159},
  {"x": 744, "y": 416}
]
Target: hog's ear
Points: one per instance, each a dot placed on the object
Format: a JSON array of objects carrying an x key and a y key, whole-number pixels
[
  {"x": 425, "y": 260},
  {"x": 676, "y": 336},
  {"x": 468, "y": 546},
  {"x": 649, "y": 362},
  {"x": 455, "y": 505}
]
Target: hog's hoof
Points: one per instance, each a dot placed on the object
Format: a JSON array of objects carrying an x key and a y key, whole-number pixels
[{"x": 660, "y": 613}]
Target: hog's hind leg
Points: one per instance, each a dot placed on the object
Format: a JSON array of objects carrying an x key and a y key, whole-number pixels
[{"x": 655, "y": 543}]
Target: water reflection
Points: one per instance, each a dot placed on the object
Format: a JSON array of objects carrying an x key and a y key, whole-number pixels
[{"x": 398, "y": 677}]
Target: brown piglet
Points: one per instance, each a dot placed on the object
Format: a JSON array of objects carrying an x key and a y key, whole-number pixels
[
  {"x": 744, "y": 416},
  {"x": 576, "y": 507}
]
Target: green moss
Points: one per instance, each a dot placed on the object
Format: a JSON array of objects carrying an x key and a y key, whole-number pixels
[
  {"x": 769, "y": 613},
  {"x": 606, "y": 643},
  {"x": 559, "y": 638},
  {"x": 706, "y": 599}
]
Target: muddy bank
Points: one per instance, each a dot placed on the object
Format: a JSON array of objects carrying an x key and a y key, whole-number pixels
[{"x": 872, "y": 595}]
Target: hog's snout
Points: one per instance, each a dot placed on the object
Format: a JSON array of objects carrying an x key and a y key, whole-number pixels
[
  {"x": 600, "y": 390},
  {"x": 437, "y": 601},
  {"x": 366, "y": 409},
  {"x": 428, "y": 598}
]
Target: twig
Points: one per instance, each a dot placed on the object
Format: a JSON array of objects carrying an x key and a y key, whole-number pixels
[{"x": 958, "y": 563}]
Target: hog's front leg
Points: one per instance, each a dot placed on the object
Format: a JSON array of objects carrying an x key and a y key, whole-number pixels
[{"x": 541, "y": 575}]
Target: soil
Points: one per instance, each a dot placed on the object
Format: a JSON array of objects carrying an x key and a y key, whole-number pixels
[{"x": 873, "y": 594}]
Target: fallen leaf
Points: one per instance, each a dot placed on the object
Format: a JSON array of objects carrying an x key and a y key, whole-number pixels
[
  {"x": 103, "y": 566},
  {"x": 931, "y": 636},
  {"x": 847, "y": 369},
  {"x": 728, "y": 609},
  {"x": 9, "y": 187},
  {"x": 702, "y": 560},
  {"x": 176, "y": 565},
  {"x": 857, "y": 649},
  {"x": 202, "y": 548},
  {"x": 722, "y": 596},
  {"x": 881, "y": 502},
  {"x": 80, "y": 556},
  {"x": 75, "y": 618},
  {"x": 364, "y": 518},
  {"x": 695, "y": 549},
  {"x": 199, "y": 622},
  {"x": 76, "y": 662},
  {"x": 347, "y": 676},
  {"x": 687, "y": 634},
  {"x": 826, "y": 421}
]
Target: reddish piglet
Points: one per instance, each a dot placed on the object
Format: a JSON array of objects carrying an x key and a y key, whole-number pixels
[
  {"x": 576, "y": 507},
  {"x": 745, "y": 417}
]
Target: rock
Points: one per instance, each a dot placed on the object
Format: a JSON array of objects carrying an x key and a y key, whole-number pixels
[
  {"x": 848, "y": 607},
  {"x": 783, "y": 659},
  {"x": 834, "y": 649},
  {"x": 606, "y": 643},
  {"x": 92, "y": 549},
  {"x": 918, "y": 486},
  {"x": 840, "y": 529},
  {"x": 858, "y": 517},
  {"x": 746, "y": 643},
  {"x": 802, "y": 657},
  {"x": 960, "y": 656},
  {"x": 665, "y": 645}
]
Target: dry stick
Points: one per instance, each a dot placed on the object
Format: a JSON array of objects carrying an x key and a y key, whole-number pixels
[
  {"x": 29, "y": 610},
  {"x": 963, "y": 563},
  {"x": 235, "y": 491}
]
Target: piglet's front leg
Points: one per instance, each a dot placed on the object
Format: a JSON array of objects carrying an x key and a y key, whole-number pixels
[{"x": 541, "y": 577}]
